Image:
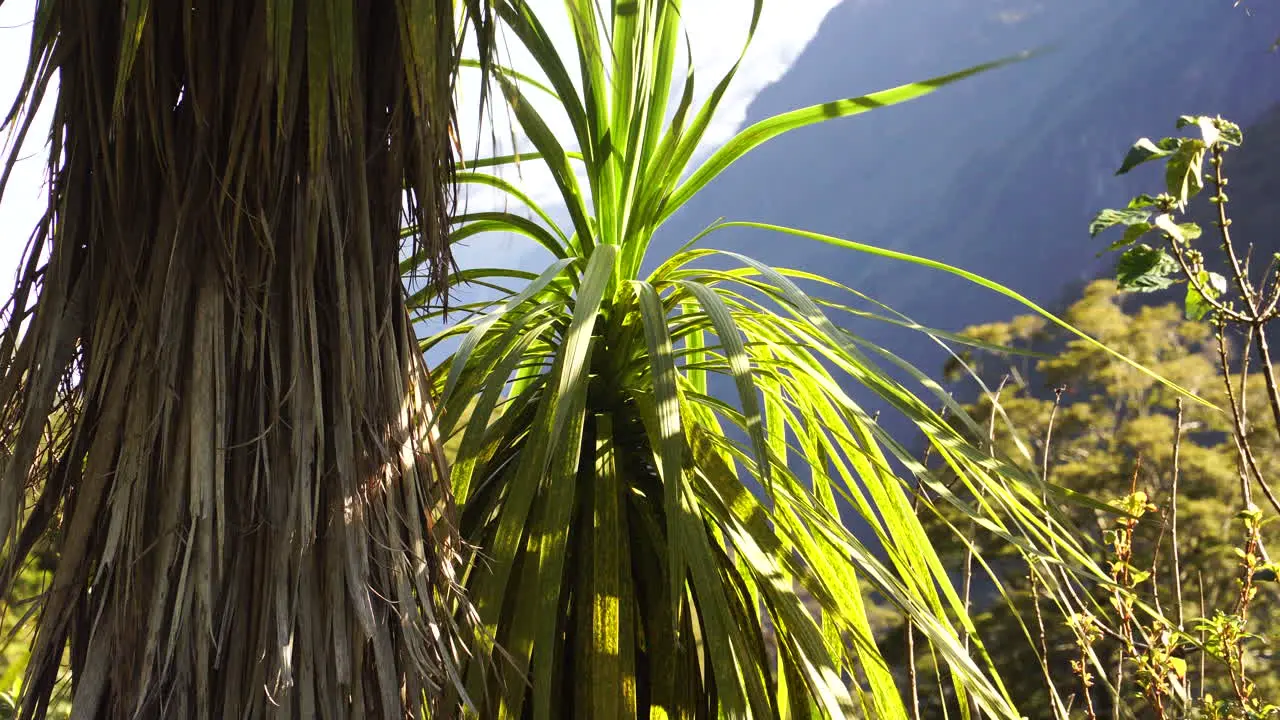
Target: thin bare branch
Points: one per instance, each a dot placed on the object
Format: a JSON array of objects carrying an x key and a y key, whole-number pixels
[{"x": 1173, "y": 516}]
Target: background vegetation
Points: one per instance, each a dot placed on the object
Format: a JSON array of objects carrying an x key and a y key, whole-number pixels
[
  {"x": 1187, "y": 625},
  {"x": 1114, "y": 426}
]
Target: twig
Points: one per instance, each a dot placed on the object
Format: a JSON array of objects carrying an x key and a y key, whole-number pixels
[
  {"x": 911, "y": 671},
  {"x": 1200, "y": 587},
  {"x": 1257, "y": 320},
  {"x": 1268, "y": 372},
  {"x": 912, "y": 679},
  {"x": 1236, "y": 649},
  {"x": 937, "y": 677},
  {"x": 1034, "y": 576},
  {"x": 1273, "y": 296},
  {"x": 1223, "y": 223},
  {"x": 1193, "y": 277},
  {"x": 968, "y": 554},
  {"x": 1048, "y": 438},
  {"x": 1173, "y": 517},
  {"x": 1085, "y": 682},
  {"x": 1244, "y": 382},
  {"x": 1248, "y": 461},
  {"x": 1120, "y": 574},
  {"x": 1044, "y": 645},
  {"x": 1155, "y": 564}
]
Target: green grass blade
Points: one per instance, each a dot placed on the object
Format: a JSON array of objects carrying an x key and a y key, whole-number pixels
[
  {"x": 493, "y": 181},
  {"x": 529, "y": 30},
  {"x": 765, "y": 130},
  {"x": 477, "y": 333},
  {"x": 667, "y": 400},
  {"x": 971, "y": 277},
  {"x": 555, "y": 157},
  {"x": 595, "y": 281},
  {"x": 692, "y": 137},
  {"x": 514, "y": 75},
  {"x": 739, "y": 362},
  {"x": 471, "y": 451},
  {"x": 135, "y": 20},
  {"x": 478, "y": 223}
]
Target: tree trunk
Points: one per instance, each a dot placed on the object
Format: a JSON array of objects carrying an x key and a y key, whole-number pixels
[{"x": 210, "y": 384}]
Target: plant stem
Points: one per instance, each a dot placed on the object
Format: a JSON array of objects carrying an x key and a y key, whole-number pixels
[
  {"x": 1173, "y": 517},
  {"x": 1248, "y": 461},
  {"x": 1200, "y": 588},
  {"x": 1120, "y": 573},
  {"x": 1085, "y": 682},
  {"x": 911, "y": 671},
  {"x": 1048, "y": 438},
  {"x": 912, "y": 680},
  {"x": 1257, "y": 317},
  {"x": 968, "y": 553},
  {"x": 1034, "y": 572},
  {"x": 1268, "y": 372},
  {"x": 1044, "y": 644}
]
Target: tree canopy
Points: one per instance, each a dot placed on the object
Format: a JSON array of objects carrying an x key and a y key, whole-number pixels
[{"x": 1114, "y": 426}]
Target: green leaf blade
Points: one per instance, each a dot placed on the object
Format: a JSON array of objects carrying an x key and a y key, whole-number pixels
[{"x": 1145, "y": 269}]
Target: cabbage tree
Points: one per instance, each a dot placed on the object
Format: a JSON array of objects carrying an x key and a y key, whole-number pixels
[{"x": 640, "y": 534}]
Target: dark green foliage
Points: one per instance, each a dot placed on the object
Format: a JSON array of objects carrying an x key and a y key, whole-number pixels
[{"x": 1145, "y": 269}]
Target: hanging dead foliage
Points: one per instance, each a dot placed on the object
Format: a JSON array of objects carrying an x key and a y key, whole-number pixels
[{"x": 240, "y": 474}]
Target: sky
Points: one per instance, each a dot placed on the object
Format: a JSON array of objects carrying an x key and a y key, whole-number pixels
[
  {"x": 716, "y": 29},
  {"x": 22, "y": 202}
]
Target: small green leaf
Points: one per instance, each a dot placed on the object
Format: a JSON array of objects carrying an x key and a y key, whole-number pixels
[
  {"x": 1145, "y": 151},
  {"x": 1215, "y": 282},
  {"x": 1229, "y": 133},
  {"x": 1110, "y": 218},
  {"x": 1145, "y": 269},
  {"x": 1197, "y": 306},
  {"x": 1143, "y": 200},
  {"x": 1213, "y": 129},
  {"x": 1209, "y": 132},
  {"x": 1183, "y": 173},
  {"x": 755, "y": 135},
  {"x": 1180, "y": 232},
  {"x": 1266, "y": 574},
  {"x": 1132, "y": 234}
]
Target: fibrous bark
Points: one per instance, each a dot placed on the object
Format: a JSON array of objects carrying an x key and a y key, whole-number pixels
[{"x": 211, "y": 396}]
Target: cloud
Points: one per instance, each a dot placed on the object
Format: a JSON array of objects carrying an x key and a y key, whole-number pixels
[
  {"x": 784, "y": 31},
  {"x": 23, "y": 200}
]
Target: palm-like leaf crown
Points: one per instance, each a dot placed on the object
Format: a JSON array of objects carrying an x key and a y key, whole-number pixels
[{"x": 634, "y": 554}]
